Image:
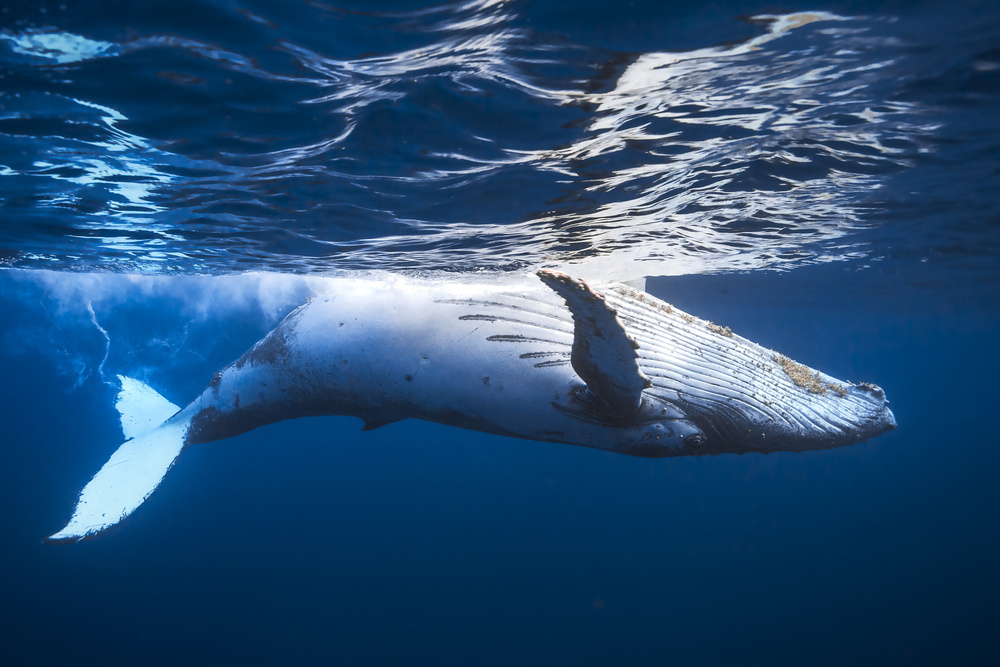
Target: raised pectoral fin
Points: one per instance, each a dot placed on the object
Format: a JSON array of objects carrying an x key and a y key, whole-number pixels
[{"x": 604, "y": 355}]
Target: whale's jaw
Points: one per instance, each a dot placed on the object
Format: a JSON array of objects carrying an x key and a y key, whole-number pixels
[{"x": 847, "y": 420}]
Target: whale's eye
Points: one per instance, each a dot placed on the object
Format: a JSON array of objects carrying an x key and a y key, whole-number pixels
[{"x": 695, "y": 440}]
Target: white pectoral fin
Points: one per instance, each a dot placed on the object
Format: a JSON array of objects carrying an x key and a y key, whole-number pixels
[{"x": 135, "y": 469}]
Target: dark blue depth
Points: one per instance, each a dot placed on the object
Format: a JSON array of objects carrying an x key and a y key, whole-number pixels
[{"x": 421, "y": 544}]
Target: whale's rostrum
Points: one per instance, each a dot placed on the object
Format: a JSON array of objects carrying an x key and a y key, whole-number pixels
[{"x": 544, "y": 358}]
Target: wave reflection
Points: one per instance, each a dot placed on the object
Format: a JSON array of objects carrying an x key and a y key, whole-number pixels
[
  {"x": 739, "y": 157},
  {"x": 479, "y": 144}
]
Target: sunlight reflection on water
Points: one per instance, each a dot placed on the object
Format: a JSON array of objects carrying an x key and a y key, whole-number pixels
[{"x": 760, "y": 153}]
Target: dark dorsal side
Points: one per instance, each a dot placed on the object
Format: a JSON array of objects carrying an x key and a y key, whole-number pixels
[{"x": 604, "y": 355}]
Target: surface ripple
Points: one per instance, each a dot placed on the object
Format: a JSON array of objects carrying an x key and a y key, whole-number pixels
[{"x": 318, "y": 139}]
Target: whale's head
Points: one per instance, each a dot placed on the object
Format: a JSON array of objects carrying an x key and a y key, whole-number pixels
[
  {"x": 744, "y": 398},
  {"x": 667, "y": 383}
]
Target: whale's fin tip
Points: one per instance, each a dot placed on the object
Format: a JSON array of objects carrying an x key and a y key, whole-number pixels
[
  {"x": 604, "y": 355},
  {"x": 135, "y": 469},
  {"x": 141, "y": 408}
]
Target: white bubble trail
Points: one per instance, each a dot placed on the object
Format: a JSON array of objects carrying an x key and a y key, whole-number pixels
[{"x": 107, "y": 344}]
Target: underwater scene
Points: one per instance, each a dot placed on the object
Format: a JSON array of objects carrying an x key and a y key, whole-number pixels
[{"x": 500, "y": 332}]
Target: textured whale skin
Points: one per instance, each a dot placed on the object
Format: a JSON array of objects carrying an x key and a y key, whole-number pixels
[
  {"x": 543, "y": 357},
  {"x": 498, "y": 357}
]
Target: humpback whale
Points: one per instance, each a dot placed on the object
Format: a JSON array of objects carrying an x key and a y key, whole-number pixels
[{"x": 545, "y": 357}]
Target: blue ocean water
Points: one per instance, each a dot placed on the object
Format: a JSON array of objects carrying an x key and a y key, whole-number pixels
[{"x": 823, "y": 178}]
